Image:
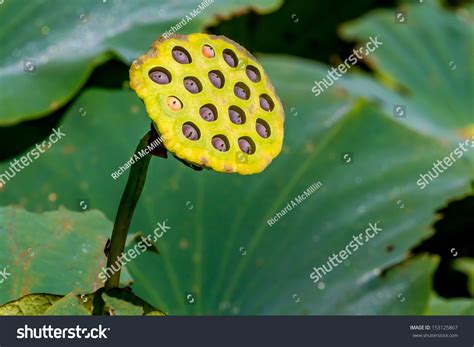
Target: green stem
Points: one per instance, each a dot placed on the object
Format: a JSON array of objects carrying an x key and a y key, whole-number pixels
[{"x": 133, "y": 190}]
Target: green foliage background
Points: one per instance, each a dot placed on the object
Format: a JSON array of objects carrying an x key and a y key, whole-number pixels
[{"x": 220, "y": 249}]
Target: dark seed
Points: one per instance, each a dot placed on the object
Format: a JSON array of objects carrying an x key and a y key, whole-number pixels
[
  {"x": 207, "y": 114},
  {"x": 159, "y": 77},
  {"x": 245, "y": 146},
  {"x": 215, "y": 79},
  {"x": 240, "y": 92},
  {"x": 230, "y": 58},
  {"x": 180, "y": 56},
  {"x": 262, "y": 130},
  {"x": 253, "y": 74},
  {"x": 191, "y": 86},
  {"x": 190, "y": 132},
  {"x": 265, "y": 103},
  {"x": 219, "y": 144},
  {"x": 235, "y": 116}
]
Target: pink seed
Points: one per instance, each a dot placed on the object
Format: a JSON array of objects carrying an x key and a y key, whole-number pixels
[
  {"x": 174, "y": 103},
  {"x": 208, "y": 51}
]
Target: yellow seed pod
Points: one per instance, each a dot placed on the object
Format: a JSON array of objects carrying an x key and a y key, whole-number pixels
[{"x": 211, "y": 101}]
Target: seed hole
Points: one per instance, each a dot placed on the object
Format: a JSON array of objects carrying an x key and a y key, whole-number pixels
[
  {"x": 181, "y": 55},
  {"x": 253, "y": 73},
  {"x": 208, "y": 51},
  {"x": 174, "y": 103},
  {"x": 192, "y": 85},
  {"x": 160, "y": 75},
  {"x": 236, "y": 115},
  {"x": 263, "y": 129},
  {"x": 216, "y": 78},
  {"x": 220, "y": 143},
  {"x": 242, "y": 91},
  {"x": 266, "y": 103},
  {"x": 191, "y": 131},
  {"x": 230, "y": 57},
  {"x": 208, "y": 112},
  {"x": 247, "y": 145}
]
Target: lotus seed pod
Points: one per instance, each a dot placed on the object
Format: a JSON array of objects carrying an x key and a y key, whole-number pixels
[{"x": 210, "y": 101}]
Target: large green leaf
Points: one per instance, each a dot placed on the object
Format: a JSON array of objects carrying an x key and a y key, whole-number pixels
[
  {"x": 55, "y": 252},
  {"x": 424, "y": 64},
  {"x": 449, "y": 307},
  {"x": 67, "y": 39},
  {"x": 69, "y": 305},
  {"x": 122, "y": 302},
  {"x": 113, "y": 302},
  {"x": 220, "y": 256},
  {"x": 29, "y": 305}
]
